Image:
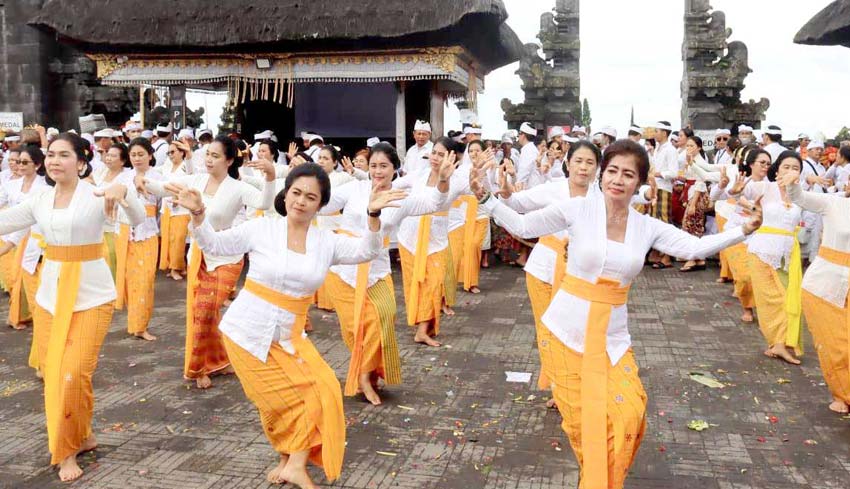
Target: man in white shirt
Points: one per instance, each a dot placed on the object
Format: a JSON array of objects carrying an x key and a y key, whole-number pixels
[
  {"x": 418, "y": 155},
  {"x": 316, "y": 143},
  {"x": 580, "y": 132},
  {"x": 666, "y": 169},
  {"x": 609, "y": 135},
  {"x": 160, "y": 146},
  {"x": 771, "y": 138},
  {"x": 745, "y": 135},
  {"x": 12, "y": 142},
  {"x": 132, "y": 130},
  {"x": 527, "y": 154},
  {"x": 635, "y": 133},
  {"x": 721, "y": 155},
  {"x": 471, "y": 133},
  {"x": 813, "y": 179}
]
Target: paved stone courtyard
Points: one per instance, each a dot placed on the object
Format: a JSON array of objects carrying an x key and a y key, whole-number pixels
[{"x": 456, "y": 422}]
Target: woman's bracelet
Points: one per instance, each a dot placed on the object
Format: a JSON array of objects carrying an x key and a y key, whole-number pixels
[
  {"x": 484, "y": 199},
  {"x": 198, "y": 212}
]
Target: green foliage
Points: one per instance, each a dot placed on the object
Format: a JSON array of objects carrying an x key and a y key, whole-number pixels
[{"x": 585, "y": 114}]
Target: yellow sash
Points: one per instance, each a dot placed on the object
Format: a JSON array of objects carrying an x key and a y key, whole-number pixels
[
  {"x": 559, "y": 246},
  {"x": 122, "y": 243},
  {"x": 150, "y": 210},
  {"x": 794, "y": 292},
  {"x": 333, "y": 417},
  {"x": 165, "y": 238},
  {"x": 361, "y": 286},
  {"x": 469, "y": 245},
  {"x": 17, "y": 283},
  {"x": 71, "y": 259},
  {"x": 196, "y": 256},
  {"x": 420, "y": 261},
  {"x": 603, "y": 296}
]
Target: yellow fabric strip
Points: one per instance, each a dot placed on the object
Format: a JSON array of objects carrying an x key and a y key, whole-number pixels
[
  {"x": 150, "y": 210},
  {"x": 67, "y": 289},
  {"x": 794, "y": 291},
  {"x": 559, "y": 246},
  {"x": 840, "y": 258},
  {"x": 165, "y": 238},
  {"x": 191, "y": 287},
  {"x": 602, "y": 296},
  {"x": 420, "y": 259},
  {"x": 469, "y": 244},
  {"x": 382, "y": 296},
  {"x": 122, "y": 244},
  {"x": 332, "y": 426},
  {"x": 17, "y": 312}
]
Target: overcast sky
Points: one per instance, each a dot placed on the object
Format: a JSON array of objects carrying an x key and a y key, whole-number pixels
[{"x": 631, "y": 56}]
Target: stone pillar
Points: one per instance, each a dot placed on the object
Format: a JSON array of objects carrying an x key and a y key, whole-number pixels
[
  {"x": 23, "y": 63},
  {"x": 400, "y": 118},
  {"x": 437, "y": 108}
]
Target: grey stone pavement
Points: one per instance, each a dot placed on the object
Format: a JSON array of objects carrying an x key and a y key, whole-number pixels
[{"x": 456, "y": 422}]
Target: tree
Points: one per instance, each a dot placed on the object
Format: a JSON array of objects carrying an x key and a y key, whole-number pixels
[
  {"x": 843, "y": 135},
  {"x": 585, "y": 114}
]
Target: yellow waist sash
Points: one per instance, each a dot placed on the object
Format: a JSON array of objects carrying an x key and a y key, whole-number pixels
[
  {"x": 71, "y": 259},
  {"x": 420, "y": 260},
  {"x": 794, "y": 292},
  {"x": 603, "y": 296},
  {"x": 469, "y": 244},
  {"x": 333, "y": 418},
  {"x": 165, "y": 238},
  {"x": 559, "y": 246},
  {"x": 18, "y": 282},
  {"x": 361, "y": 286},
  {"x": 150, "y": 210}
]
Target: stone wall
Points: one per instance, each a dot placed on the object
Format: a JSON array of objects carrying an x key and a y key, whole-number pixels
[{"x": 52, "y": 83}]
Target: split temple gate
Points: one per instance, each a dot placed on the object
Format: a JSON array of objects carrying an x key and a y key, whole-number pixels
[{"x": 346, "y": 70}]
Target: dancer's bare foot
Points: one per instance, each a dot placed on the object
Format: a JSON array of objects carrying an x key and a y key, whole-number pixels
[
  {"x": 550, "y": 404},
  {"x": 747, "y": 316},
  {"x": 448, "y": 311},
  {"x": 839, "y": 406},
  {"x": 295, "y": 471},
  {"x": 723, "y": 280},
  {"x": 145, "y": 336},
  {"x": 39, "y": 374},
  {"x": 427, "y": 340},
  {"x": 275, "y": 476},
  {"x": 18, "y": 327},
  {"x": 368, "y": 389},
  {"x": 203, "y": 382},
  {"x": 88, "y": 445},
  {"x": 781, "y": 352},
  {"x": 69, "y": 470},
  {"x": 474, "y": 290},
  {"x": 176, "y": 275}
]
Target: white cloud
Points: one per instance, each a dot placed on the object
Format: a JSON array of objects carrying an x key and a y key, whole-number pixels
[{"x": 631, "y": 56}]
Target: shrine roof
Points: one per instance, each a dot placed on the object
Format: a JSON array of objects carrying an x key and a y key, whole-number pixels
[
  {"x": 201, "y": 26},
  {"x": 829, "y": 27}
]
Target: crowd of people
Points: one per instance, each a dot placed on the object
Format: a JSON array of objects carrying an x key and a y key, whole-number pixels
[{"x": 89, "y": 219}]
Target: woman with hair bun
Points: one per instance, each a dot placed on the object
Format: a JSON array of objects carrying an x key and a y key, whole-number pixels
[
  {"x": 211, "y": 278},
  {"x": 363, "y": 294},
  {"x": 137, "y": 248},
  {"x": 74, "y": 302},
  {"x": 295, "y": 391}
]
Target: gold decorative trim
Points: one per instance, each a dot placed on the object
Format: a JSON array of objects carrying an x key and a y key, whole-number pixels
[{"x": 445, "y": 58}]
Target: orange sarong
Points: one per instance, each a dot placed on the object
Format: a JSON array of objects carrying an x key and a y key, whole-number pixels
[
  {"x": 830, "y": 327},
  {"x": 206, "y": 293},
  {"x": 738, "y": 257},
  {"x": 372, "y": 341},
  {"x": 725, "y": 268},
  {"x": 172, "y": 246},
  {"x": 423, "y": 298},
  {"x": 586, "y": 387},
  {"x": 540, "y": 295},
  {"x": 38, "y": 345},
  {"x": 141, "y": 255},
  {"x": 305, "y": 411},
  {"x": 769, "y": 293}
]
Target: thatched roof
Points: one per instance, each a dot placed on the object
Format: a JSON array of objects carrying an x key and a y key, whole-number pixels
[
  {"x": 130, "y": 26},
  {"x": 830, "y": 27}
]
